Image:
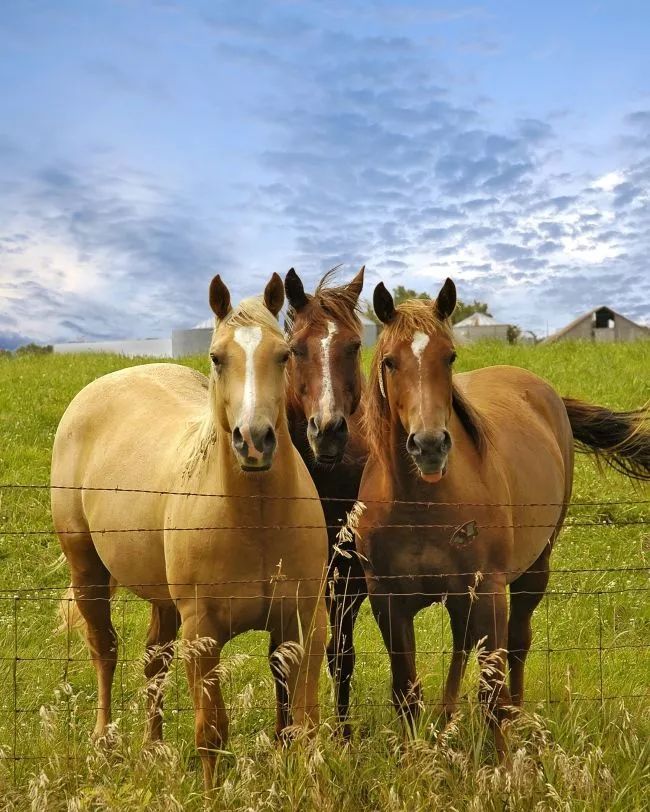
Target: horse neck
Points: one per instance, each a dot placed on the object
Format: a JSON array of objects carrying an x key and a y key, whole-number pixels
[
  {"x": 297, "y": 423},
  {"x": 358, "y": 444}
]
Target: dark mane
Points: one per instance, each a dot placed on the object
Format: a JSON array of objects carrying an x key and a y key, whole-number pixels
[
  {"x": 329, "y": 302},
  {"x": 410, "y": 316},
  {"x": 471, "y": 420}
]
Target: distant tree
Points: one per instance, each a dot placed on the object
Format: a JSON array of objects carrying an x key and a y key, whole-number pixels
[
  {"x": 463, "y": 310},
  {"x": 35, "y": 349},
  {"x": 402, "y": 294},
  {"x": 513, "y": 333},
  {"x": 368, "y": 312},
  {"x": 5, "y": 353}
]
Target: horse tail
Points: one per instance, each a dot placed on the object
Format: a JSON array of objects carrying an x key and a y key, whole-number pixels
[
  {"x": 620, "y": 439},
  {"x": 69, "y": 614}
]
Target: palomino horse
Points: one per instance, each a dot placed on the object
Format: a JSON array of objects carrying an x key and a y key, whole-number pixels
[
  {"x": 230, "y": 533},
  {"x": 325, "y": 411},
  {"x": 489, "y": 454}
]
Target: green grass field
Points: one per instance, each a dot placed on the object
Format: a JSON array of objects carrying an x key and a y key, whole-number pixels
[{"x": 583, "y": 742}]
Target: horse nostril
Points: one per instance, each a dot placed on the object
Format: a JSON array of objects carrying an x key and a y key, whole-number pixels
[
  {"x": 426, "y": 443},
  {"x": 312, "y": 426},
  {"x": 412, "y": 445},
  {"x": 238, "y": 440},
  {"x": 268, "y": 441},
  {"x": 339, "y": 426}
]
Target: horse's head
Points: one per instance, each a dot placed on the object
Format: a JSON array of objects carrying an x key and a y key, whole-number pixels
[
  {"x": 415, "y": 354},
  {"x": 249, "y": 356},
  {"x": 325, "y": 367}
]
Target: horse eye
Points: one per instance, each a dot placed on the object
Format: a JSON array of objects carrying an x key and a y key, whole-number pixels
[
  {"x": 452, "y": 358},
  {"x": 216, "y": 360},
  {"x": 282, "y": 359},
  {"x": 298, "y": 351},
  {"x": 353, "y": 349},
  {"x": 389, "y": 363}
]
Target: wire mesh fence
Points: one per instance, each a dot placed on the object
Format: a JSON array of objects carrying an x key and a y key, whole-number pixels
[{"x": 590, "y": 646}]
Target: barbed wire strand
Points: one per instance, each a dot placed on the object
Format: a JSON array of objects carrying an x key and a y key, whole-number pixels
[{"x": 284, "y": 497}]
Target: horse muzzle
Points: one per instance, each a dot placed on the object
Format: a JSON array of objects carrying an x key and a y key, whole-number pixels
[
  {"x": 328, "y": 439},
  {"x": 430, "y": 450},
  {"x": 254, "y": 446}
]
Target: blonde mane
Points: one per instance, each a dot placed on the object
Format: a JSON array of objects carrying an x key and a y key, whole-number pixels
[
  {"x": 202, "y": 431},
  {"x": 411, "y": 316}
]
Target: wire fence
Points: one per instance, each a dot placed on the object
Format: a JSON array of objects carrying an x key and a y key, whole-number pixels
[{"x": 590, "y": 637}]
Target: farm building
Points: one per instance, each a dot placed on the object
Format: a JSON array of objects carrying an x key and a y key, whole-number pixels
[
  {"x": 195, "y": 341},
  {"x": 601, "y": 324},
  {"x": 131, "y": 348},
  {"x": 478, "y": 326}
]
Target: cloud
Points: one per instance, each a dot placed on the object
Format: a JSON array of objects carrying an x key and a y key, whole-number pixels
[
  {"x": 91, "y": 256},
  {"x": 312, "y": 135}
]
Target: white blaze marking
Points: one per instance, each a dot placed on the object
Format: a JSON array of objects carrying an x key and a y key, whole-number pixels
[
  {"x": 418, "y": 345},
  {"x": 248, "y": 339},
  {"x": 327, "y": 391}
]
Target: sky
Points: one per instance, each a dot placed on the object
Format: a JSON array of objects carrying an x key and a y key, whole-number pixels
[{"x": 146, "y": 146}]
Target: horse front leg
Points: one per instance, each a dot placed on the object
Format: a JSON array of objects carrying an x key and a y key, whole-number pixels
[
  {"x": 300, "y": 656},
  {"x": 395, "y": 621},
  {"x": 344, "y": 607},
  {"x": 489, "y": 629},
  {"x": 203, "y": 639},
  {"x": 458, "y": 608}
]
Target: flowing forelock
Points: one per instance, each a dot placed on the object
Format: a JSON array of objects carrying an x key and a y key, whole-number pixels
[{"x": 251, "y": 312}]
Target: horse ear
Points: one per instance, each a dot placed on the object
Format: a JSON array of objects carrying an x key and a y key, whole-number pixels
[
  {"x": 274, "y": 294},
  {"x": 219, "y": 298},
  {"x": 445, "y": 303},
  {"x": 356, "y": 285},
  {"x": 295, "y": 291},
  {"x": 383, "y": 304}
]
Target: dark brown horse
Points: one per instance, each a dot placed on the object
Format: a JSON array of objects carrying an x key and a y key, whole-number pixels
[
  {"x": 325, "y": 410},
  {"x": 466, "y": 488}
]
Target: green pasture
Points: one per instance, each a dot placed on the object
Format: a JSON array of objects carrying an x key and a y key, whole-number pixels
[{"x": 583, "y": 742}]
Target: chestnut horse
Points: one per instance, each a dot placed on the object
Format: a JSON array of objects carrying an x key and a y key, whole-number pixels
[
  {"x": 178, "y": 446},
  {"x": 325, "y": 410},
  {"x": 466, "y": 488}
]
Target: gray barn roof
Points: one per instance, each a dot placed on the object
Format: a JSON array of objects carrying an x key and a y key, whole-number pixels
[{"x": 589, "y": 315}]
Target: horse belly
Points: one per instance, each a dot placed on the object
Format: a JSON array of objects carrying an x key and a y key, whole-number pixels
[
  {"x": 538, "y": 491},
  {"x": 126, "y": 527},
  {"x": 253, "y": 567}
]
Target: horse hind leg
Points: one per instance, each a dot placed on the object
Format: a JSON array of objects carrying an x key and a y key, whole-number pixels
[
  {"x": 163, "y": 628},
  {"x": 526, "y": 594},
  {"x": 91, "y": 587}
]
